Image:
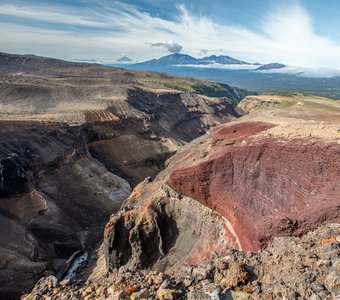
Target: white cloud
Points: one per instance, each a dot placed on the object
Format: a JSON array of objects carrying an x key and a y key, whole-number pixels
[
  {"x": 220, "y": 66},
  {"x": 171, "y": 46},
  {"x": 306, "y": 72},
  {"x": 287, "y": 34},
  {"x": 48, "y": 14}
]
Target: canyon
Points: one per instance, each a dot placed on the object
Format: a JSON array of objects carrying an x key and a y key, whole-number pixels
[
  {"x": 74, "y": 139},
  {"x": 146, "y": 173}
]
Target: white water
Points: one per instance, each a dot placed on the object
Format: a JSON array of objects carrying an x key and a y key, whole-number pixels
[{"x": 71, "y": 273}]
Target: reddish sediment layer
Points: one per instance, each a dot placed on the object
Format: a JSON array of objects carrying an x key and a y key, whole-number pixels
[{"x": 265, "y": 187}]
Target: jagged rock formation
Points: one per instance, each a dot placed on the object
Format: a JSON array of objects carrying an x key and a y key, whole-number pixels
[
  {"x": 163, "y": 231},
  {"x": 72, "y": 135}
]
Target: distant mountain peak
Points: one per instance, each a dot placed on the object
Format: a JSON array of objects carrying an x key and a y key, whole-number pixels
[
  {"x": 270, "y": 66},
  {"x": 224, "y": 60},
  {"x": 124, "y": 59}
]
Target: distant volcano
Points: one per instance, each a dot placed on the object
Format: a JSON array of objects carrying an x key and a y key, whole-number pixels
[
  {"x": 271, "y": 66},
  {"x": 124, "y": 59}
]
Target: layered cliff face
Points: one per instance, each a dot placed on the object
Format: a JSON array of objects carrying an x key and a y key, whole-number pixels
[
  {"x": 73, "y": 139},
  {"x": 272, "y": 173},
  {"x": 54, "y": 200},
  {"x": 152, "y": 125},
  {"x": 265, "y": 187}
]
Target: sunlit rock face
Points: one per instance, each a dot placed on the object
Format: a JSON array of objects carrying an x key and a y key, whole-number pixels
[{"x": 265, "y": 187}]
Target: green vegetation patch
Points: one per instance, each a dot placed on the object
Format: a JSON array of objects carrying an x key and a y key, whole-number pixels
[
  {"x": 212, "y": 90},
  {"x": 179, "y": 85}
]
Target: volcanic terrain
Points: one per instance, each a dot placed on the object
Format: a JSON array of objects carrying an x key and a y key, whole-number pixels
[
  {"x": 179, "y": 176},
  {"x": 219, "y": 222}
]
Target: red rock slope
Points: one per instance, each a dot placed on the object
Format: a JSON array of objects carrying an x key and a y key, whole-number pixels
[
  {"x": 272, "y": 173},
  {"x": 264, "y": 186}
]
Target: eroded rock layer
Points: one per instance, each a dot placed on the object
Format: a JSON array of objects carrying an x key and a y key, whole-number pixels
[
  {"x": 265, "y": 187},
  {"x": 164, "y": 231},
  {"x": 54, "y": 200}
]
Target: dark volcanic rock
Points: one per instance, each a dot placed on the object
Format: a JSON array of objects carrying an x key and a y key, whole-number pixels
[
  {"x": 13, "y": 177},
  {"x": 54, "y": 199},
  {"x": 151, "y": 127}
]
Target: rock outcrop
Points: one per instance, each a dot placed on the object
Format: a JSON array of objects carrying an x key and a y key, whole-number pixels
[{"x": 163, "y": 232}]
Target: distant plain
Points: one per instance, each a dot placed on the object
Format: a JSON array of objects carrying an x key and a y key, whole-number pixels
[{"x": 255, "y": 81}]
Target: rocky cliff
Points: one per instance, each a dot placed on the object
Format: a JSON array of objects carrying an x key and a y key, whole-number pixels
[
  {"x": 272, "y": 173},
  {"x": 265, "y": 186},
  {"x": 250, "y": 190},
  {"x": 73, "y": 139}
]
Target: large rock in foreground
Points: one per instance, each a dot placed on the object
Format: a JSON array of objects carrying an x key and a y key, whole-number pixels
[{"x": 289, "y": 268}]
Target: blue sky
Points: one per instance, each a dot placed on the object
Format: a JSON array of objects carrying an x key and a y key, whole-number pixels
[{"x": 295, "y": 32}]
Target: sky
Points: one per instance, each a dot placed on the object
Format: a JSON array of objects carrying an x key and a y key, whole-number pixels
[{"x": 294, "y": 32}]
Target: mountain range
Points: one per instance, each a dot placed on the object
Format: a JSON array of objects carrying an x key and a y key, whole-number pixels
[{"x": 185, "y": 59}]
